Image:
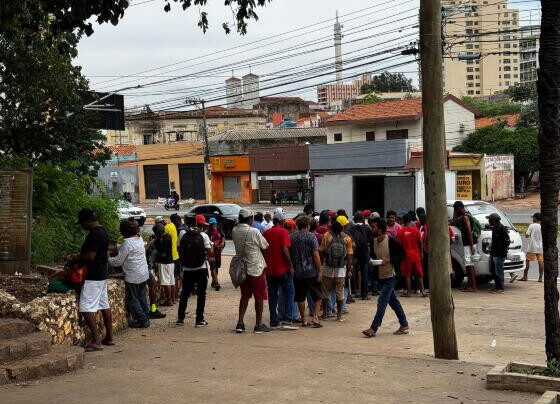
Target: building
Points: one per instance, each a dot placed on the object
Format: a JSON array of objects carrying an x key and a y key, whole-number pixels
[
  {"x": 177, "y": 126},
  {"x": 328, "y": 95},
  {"x": 231, "y": 179},
  {"x": 399, "y": 119},
  {"x": 120, "y": 174},
  {"x": 278, "y": 109},
  {"x": 234, "y": 92},
  {"x": 529, "y": 53},
  {"x": 250, "y": 91},
  {"x": 480, "y": 27},
  {"x": 509, "y": 121}
]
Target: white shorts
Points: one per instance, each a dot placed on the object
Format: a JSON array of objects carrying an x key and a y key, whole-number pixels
[
  {"x": 93, "y": 297},
  {"x": 166, "y": 273}
]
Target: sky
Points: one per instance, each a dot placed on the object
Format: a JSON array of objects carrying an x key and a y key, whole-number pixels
[{"x": 291, "y": 41}]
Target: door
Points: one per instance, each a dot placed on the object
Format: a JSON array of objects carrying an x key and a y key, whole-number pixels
[
  {"x": 156, "y": 181},
  {"x": 232, "y": 187},
  {"x": 192, "y": 181},
  {"x": 369, "y": 194},
  {"x": 399, "y": 193}
]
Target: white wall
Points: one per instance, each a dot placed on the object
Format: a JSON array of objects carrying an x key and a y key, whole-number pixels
[
  {"x": 357, "y": 133},
  {"x": 450, "y": 187},
  {"x": 334, "y": 191},
  {"x": 459, "y": 122}
]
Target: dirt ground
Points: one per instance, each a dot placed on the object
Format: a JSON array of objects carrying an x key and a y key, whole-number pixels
[
  {"x": 166, "y": 364},
  {"x": 531, "y": 201}
]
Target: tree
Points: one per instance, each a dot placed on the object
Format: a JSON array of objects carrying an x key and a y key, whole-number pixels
[
  {"x": 526, "y": 95},
  {"x": 371, "y": 98},
  {"x": 492, "y": 108},
  {"x": 548, "y": 88},
  {"x": 522, "y": 143},
  {"x": 388, "y": 82}
]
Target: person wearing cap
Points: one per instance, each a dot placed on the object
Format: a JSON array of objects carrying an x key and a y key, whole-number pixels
[
  {"x": 195, "y": 250},
  {"x": 290, "y": 225},
  {"x": 367, "y": 214},
  {"x": 498, "y": 251},
  {"x": 336, "y": 268},
  {"x": 535, "y": 247},
  {"x": 218, "y": 239},
  {"x": 249, "y": 244},
  {"x": 279, "y": 273},
  {"x": 93, "y": 295}
]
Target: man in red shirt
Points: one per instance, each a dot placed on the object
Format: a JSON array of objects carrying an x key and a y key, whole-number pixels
[
  {"x": 410, "y": 238},
  {"x": 279, "y": 272},
  {"x": 323, "y": 227}
]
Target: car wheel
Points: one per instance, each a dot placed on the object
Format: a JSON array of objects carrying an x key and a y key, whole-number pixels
[
  {"x": 141, "y": 221},
  {"x": 457, "y": 276},
  {"x": 177, "y": 207},
  {"x": 166, "y": 207}
]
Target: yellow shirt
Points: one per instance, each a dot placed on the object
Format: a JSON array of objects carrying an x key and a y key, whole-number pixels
[
  {"x": 172, "y": 231},
  {"x": 335, "y": 272}
]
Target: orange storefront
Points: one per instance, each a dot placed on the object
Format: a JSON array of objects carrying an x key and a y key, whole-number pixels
[{"x": 231, "y": 179}]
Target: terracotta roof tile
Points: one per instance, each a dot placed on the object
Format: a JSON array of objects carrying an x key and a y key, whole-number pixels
[
  {"x": 510, "y": 119},
  {"x": 125, "y": 150},
  {"x": 380, "y": 112}
]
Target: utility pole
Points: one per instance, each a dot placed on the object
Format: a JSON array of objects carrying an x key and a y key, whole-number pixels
[
  {"x": 204, "y": 132},
  {"x": 433, "y": 134},
  {"x": 548, "y": 88}
]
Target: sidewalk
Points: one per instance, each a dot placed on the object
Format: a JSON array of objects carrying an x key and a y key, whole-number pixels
[{"x": 165, "y": 364}]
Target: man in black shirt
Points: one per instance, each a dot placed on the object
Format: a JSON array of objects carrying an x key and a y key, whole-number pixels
[
  {"x": 164, "y": 261},
  {"x": 93, "y": 295},
  {"x": 498, "y": 251}
]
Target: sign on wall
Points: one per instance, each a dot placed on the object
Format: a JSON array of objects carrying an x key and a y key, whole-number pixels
[
  {"x": 464, "y": 187},
  {"x": 498, "y": 163}
]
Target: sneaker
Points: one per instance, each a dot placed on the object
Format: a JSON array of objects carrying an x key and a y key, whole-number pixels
[
  {"x": 217, "y": 287},
  {"x": 261, "y": 329},
  {"x": 202, "y": 323},
  {"x": 180, "y": 323},
  {"x": 240, "y": 328},
  {"x": 139, "y": 325},
  {"x": 288, "y": 326},
  {"x": 156, "y": 314},
  {"x": 499, "y": 291}
]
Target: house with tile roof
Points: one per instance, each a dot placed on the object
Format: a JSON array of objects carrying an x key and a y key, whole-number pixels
[{"x": 399, "y": 119}]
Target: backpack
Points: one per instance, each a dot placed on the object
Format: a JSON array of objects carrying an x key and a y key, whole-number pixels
[
  {"x": 191, "y": 250},
  {"x": 360, "y": 239},
  {"x": 476, "y": 227},
  {"x": 336, "y": 252},
  {"x": 238, "y": 267}
]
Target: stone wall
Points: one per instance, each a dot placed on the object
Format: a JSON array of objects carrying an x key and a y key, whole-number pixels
[{"x": 57, "y": 313}]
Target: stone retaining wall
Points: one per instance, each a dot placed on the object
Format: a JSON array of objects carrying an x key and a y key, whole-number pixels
[{"x": 57, "y": 313}]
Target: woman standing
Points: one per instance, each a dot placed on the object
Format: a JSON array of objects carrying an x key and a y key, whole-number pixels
[{"x": 218, "y": 239}]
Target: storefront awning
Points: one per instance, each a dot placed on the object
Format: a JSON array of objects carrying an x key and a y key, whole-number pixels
[{"x": 283, "y": 177}]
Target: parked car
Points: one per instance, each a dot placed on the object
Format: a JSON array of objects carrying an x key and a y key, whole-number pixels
[
  {"x": 126, "y": 210},
  {"x": 225, "y": 213},
  {"x": 515, "y": 261}
]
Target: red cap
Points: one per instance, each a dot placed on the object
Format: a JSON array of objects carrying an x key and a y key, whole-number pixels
[
  {"x": 367, "y": 213},
  {"x": 290, "y": 223},
  {"x": 200, "y": 220}
]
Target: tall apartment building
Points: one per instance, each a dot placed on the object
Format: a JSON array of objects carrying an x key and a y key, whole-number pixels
[
  {"x": 529, "y": 56},
  {"x": 480, "y": 27},
  {"x": 328, "y": 94}
]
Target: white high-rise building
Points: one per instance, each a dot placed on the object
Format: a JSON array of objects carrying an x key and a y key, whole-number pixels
[
  {"x": 234, "y": 93},
  {"x": 338, "y": 50},
  {"x": 250, "y": 90}
]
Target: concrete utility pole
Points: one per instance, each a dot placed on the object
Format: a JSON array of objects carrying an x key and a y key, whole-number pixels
[
  {"x": 433, "y": 134},
  {"x": 204, "y": 132}
]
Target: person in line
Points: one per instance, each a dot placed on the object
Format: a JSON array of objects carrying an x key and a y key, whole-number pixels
[
  {"x": 267, "y": 223},
  {"x": 426, "y": 243},
  {"x": 304, "y": 254},
  {"x": 171, "y": 230},
  {"x": 258, "y": 222},
  {"x": 361, "y": 235},
  {"x": 309, "y": 210},
  {"x": 152, "y": 283},
  {"x": 249, "y": 244},
  {"x": 279, "y": 273},
  {"x": 180, "y": 230},
  {"x": 464, "y": 222},
  {"x": 218, "y": 239},
  {"x": 323, "y": 227},
  {"x": 132, "y": 258},
  {"x": 195, "y": 249},
  {"x": 290, "y": 225},
  {"x": 392, "y": 226},
  {"x": 164, "y": 262},
  {"x": 389, "y": 251},
  {"x": 93, "y": 295},
  {"x": 337, "y": 251},
  {"x": 535, "y": 247},
  {"x": 420, "y": 211},
  {"x": 498, "y": 251},
  {"x": 410, "y": 238}
]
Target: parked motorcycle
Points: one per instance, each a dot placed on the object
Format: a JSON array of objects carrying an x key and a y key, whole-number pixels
[{"x": 171, "y": 204}]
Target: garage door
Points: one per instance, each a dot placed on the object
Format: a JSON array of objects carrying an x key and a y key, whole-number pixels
[
  {"x": 192, "y": 181},
  {"x": 156, "y": 181},
  {"x": 288, "y": 187},
  {"x": 232, "y": 187},
  {"x": 399, "y": 193}
]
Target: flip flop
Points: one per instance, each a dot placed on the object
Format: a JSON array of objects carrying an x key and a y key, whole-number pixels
[
  {"x": 93, "y": 348},
  {"x": 107, "y": 343},
  {"x": 340, "y": 320},
  {"x": 369, "y": 333},
  {"x": 315, "y": 325},
  {"x": 401, "y": 332}
]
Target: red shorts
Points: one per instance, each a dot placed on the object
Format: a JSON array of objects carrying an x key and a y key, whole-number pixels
[
  {"x": 412, "y": 265},
  {"x": 255, "y": 286}
]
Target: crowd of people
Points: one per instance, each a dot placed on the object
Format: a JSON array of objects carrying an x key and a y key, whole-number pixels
[{"x": 308, "y": 268}]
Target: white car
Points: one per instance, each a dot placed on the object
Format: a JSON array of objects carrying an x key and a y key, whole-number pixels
[
  {"x": 515, "y": 261},
  {"x": 126, "y": 210}
]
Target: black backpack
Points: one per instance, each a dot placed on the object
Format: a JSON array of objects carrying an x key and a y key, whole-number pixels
[
  {"x": 359, "y": 237},
  {"x": 191, "y": 250}
]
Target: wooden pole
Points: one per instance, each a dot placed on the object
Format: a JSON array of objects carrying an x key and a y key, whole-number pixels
[{"x": 433, "y": 134}]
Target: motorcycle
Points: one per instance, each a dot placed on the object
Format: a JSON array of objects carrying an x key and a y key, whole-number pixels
[{"x": 171, "y": 203}]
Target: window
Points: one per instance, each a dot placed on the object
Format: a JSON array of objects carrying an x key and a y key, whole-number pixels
[
  {"x": 148, "y": 139},
  {"x": 469, "y": 69},
  {"x": 338, "y": 137},
  {"x": 470, "y": 92},
  {"x": 469, "y": 23},
  {"x": 397, "y": 134},
  {"x": 469, "y": 46},
  {"x": 507, "y": 83},
  {"x": 476, "y": 69},
  {"x": 370, "y": 136},
  {"x": 470, "y": 85},
  {"x": 469, "y": 77},
  {"x": 478, "y": 91}
]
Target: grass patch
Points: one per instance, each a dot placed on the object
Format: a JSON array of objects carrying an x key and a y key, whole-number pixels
[{"x": 522, "y": 228}]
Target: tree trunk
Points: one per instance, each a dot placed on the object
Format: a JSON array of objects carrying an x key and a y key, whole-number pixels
[
  {"x": 441, "y": 298},
  {"x": 548, "y": 87}
]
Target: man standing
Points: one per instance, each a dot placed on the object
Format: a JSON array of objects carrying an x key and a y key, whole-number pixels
[
  {"x": 464, "y": 222},
  {"x": 361, "y": 235},
  {"x": 172, "y": 231},
  {"x": 392, "y": 226},
  {"x": 498, "y": 251},
  {"x": 180, "y": 232},
  {"x": 93, "y": 295},
  {"x": 257, "y": 222},
  {"x": 279, "y": 272},
  {"x": 410, "y": 238},
  {"x": 535, "y": 247},
  {"x": 249, "y": 244},
  {"x": 195, "y": 249},
  {"x": 336, "y": 249},
  {"x": 389, "y": 251},
  {"x": 218, "y": 239},
  {"x": 323, "y": 227},
  {"x": 304, "y": 253},
  {"x": 164, "y": 262},
  {"x": 267, "y": 223}
]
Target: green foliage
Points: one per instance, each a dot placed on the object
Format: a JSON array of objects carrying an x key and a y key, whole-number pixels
[
  {"x": 371, "y": 98},
  {"x": 522, "y": 143},
  {"x": 492, "y": 108},
  {"x": 527, "y": 95},
  {"x": 388, "y": 82},
  {"x": 554, "y": 367}
]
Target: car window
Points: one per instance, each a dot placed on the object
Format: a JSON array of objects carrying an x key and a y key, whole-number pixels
[
  {"x": 213, "y": 210},
  {"x": 200, "y": 210},
  {"x": 230, "y": 210},
  {"x": 480, "y": 211}
]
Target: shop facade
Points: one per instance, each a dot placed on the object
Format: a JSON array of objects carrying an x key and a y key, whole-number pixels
[{"x": 231, "y": 179}]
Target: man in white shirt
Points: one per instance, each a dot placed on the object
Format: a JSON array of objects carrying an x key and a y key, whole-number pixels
[
  {"x": 267, "y": 223},
  {"x": 195, "y": 248},
  {"x": 535, "y": 247},
  {"x": 249, "y": 244}
]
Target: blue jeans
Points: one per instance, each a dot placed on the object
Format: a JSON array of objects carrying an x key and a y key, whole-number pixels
[
  {"x": 497, "y": 271},
  {"x": 137, "y": 302},
  {"x": 331, "y": 303},
  {"x": 388, "y": 296},
  {"x": 280, "y": 309}
]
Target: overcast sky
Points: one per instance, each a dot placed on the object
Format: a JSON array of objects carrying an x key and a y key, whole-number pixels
[{"x": 148, "y": 38}]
